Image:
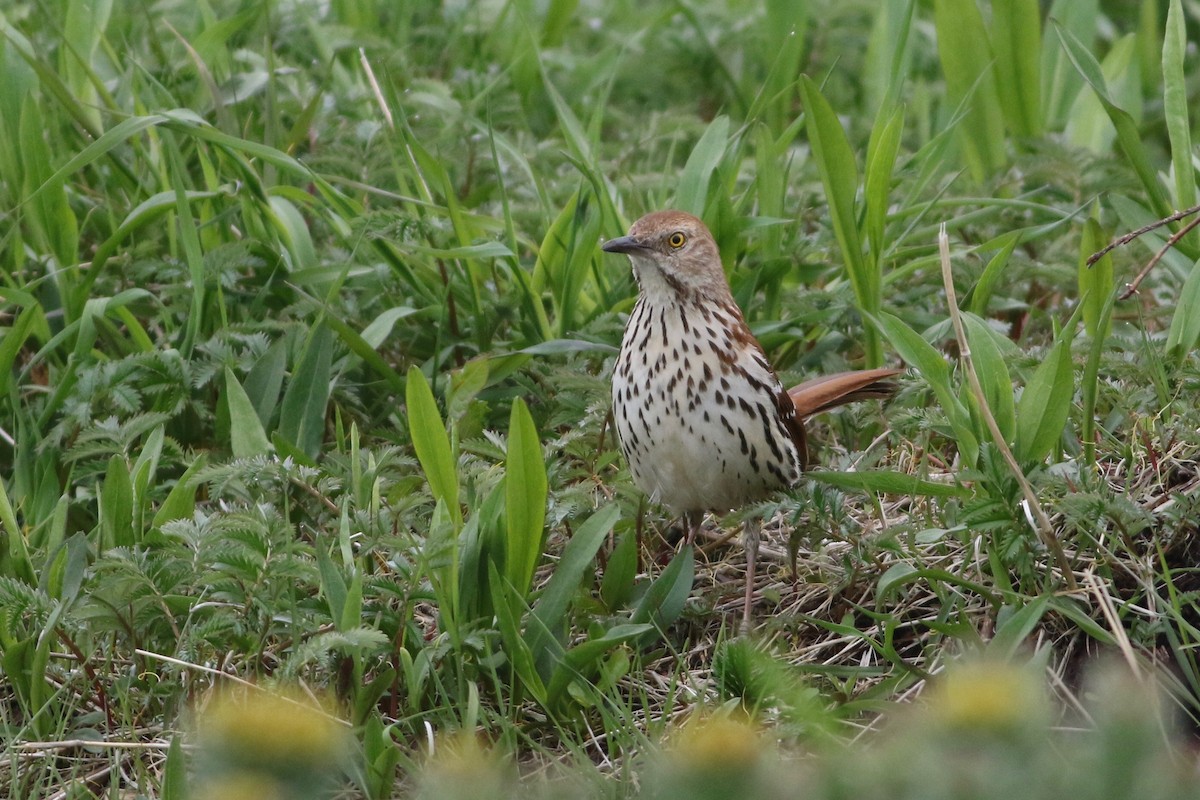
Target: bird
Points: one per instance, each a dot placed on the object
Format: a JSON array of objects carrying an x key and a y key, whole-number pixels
[{"x": 701, "y": 417}]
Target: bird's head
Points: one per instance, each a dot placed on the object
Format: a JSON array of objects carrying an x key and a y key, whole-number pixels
[{"x": 673, "y": 251}]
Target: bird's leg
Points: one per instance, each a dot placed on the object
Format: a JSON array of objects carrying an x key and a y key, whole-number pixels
[
  {"x": 750, "y": 534},
  {"x": 693, "y": 520}
]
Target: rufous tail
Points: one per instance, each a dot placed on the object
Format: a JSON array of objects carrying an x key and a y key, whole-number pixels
[{"x": 830, "y": 391}]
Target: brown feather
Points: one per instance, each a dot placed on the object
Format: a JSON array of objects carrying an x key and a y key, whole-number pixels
[{"x": 830, "y": 391}]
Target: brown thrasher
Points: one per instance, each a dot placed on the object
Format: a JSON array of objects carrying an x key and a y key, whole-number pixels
[{"x": 702, "y": 418}]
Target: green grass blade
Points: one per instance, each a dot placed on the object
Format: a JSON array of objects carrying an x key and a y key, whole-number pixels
[
  {"x": 692, "y": 194},
  {"x": 993, "y": 373},
  {"x": 1185, "y": 322},
  {"x": 14, "y": 555},
  {"x": 619, "y": 573},
  {"x": 881, "y": 162},
  {"x": 1046, "y": 402},
  {"x": 431, "y": 442},
  {"x": 1128, "y": 136},
  {"x": 1016, "y": 45},
  {"x": 888, "y": 55},
  {"x": 839, "y": 175},
  {"x": 1095, "y": 281},
  {"x": 525, "y": 498},
  {"x": 549, "y": 618},
  {"x": 663, "y": 601},
  {"x": 246, "y": 435},
  {"x": 116, "y": 506},
  {"x": 1176, "y": 108},
  {"x": 918, "y": 353},
  {"x": 1061, "y": 83},
  {"x": 967, "y": 62},
  {"x": 181, "y": 501},
  {"x": 981, "y": 293},
  {"x": 302, "y": 412}
]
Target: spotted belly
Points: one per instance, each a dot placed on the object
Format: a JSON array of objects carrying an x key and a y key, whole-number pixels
[{"x": 698, "y": 415}]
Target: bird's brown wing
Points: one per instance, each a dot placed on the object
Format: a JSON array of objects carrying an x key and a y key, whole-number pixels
[{"x": 830, "y": 391}]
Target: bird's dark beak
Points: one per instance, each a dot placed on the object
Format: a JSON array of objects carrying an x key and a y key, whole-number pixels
[{"x": 622, "y": 244}]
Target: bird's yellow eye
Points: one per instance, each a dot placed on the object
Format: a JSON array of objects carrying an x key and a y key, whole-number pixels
[{"x": 676, "y": 240}]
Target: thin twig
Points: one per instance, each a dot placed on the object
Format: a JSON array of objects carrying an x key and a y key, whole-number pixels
[
  {"x": 1043, "y": 522},
  {"x": 1129, "y": 237},
  {"x": 1132, "y": 287}
]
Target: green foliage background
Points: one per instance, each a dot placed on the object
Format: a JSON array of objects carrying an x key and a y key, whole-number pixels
[{"x": 304, "y": 340}]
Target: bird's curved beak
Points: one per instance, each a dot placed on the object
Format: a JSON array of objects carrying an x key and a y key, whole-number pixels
[{"x": 622, "y": 244}]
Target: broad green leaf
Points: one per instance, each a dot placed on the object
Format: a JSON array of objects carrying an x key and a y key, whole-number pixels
[
  {"x": 509, "y": 607},
  {"x": 302, "y": 413},
  {"x": 549, "y": 615},
  {"x": 1046, "y": 402},
  {"x": 378, "y": 330},
  {"x": 582, "y": 659},
  {"x": 1016, "y": 44},
  {"x": 1015, "y": 626},
  {"x": 921, "y": 355},
  {"x": 14, "y": 555},
  {"x": 181, "y": 502},
  {"x": 265, "y": 381},
  {"x": 894, "y": 578},
  {"x": 246, "y": 435},
  {"x": 981, "y": 293},
  {"x": 174, "y": 784},
  {"x": 67, "y": 567},
  {"x": 620, "y": 572},
  {"x": 692, "y": 194},
  {"x": 967, "y": 63},
  {"x": 189, "y": 238},
  {"x": 145, "y": 468},
  {"x": 465, "y": 384},
  {"x": 116, "y": 506},
  {"x": 333, "y": 585},
  {"x": 881, "y": 161},
  {"x": 1185, "y": 322},
  {"x": 1089, "y": 125},
  {"x": 663, "y": 601},
  {"x": 525, "y": 498},
  {"x": 888, "y": 55},
  {"x": 1095, "y": 281},
  {"x": 1061, "y": 83},
  {"x": 1090, "y": 381},
  {"x": 839, "y": 175},
  {"x": 1128, "y": 135},
  {"x": 431, "y": 442},
  {"x": 992, "y": 373},
  {"x": 355, "y": 342},
  {"x": 1176, "y": 108},
  {"x": 293, "y": 231}
]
